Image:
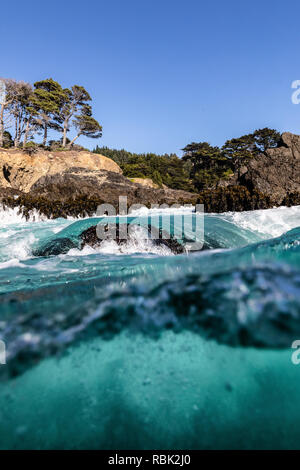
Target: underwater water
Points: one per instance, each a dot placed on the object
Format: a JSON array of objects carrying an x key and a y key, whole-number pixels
[{"x": 132, "y": 347}]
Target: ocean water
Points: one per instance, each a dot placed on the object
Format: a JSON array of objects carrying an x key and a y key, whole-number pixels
[{"x": 133, "y": 347}]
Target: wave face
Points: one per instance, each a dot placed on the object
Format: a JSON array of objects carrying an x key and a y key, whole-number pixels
[{"x": 173, "y": 338}]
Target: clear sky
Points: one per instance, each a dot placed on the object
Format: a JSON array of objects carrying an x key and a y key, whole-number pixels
[{"x": 163, "y": 73}]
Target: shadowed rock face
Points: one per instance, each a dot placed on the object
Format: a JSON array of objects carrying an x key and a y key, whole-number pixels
[
  {"x": 105, "y": 185},
  {"x": 276, "y": 172},
  {"x": 269, "y": 179},
  {"x": 79, "y": 191},
  {"x": 9, "y": 193}
]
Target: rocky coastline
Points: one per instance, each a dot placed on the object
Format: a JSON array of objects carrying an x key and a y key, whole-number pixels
[{"x": 75, "y": 183}]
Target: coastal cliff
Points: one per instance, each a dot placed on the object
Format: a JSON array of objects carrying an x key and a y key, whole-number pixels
[
  {"x": 74, "y": 183},
  {"x": 269, "y": 179},
  {"x": 71, "y": 183},
  {"x": 276, "y": 172}
]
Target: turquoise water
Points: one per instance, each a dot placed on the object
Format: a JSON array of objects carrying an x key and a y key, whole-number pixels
[{"x": 134, "y": 347}]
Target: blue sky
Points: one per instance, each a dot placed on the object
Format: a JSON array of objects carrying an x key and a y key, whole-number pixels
[{"x": 163, "y": 73}]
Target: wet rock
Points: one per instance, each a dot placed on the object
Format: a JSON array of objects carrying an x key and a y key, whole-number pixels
[
  {"x": 55, "y": 247},
  {"x": 113, "y": 232}
]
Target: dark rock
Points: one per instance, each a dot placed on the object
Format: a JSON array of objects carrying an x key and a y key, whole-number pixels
[
  {"x": 55, "y": 247},
  {"x": 233, "y": 198},
  {"x": 9, "y": 193},
  {"x": 91, "y": 238},
  {"x": 107, "y": 186},
  {"x": 276, "y": 173},
  {"x": 78, "y": 192}
]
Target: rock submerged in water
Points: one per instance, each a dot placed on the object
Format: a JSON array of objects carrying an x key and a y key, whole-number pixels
[
  {"x": 113, "y": 232},
  {"x": 90, "y": 237},
  {"x": 55, "y": 247}
]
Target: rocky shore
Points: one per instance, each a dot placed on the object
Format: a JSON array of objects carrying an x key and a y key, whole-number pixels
[{"x": 63, "y": 183}]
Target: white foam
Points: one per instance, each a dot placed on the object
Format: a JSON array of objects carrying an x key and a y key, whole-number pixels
[
  {"x": 268, "y": 222},
  {"x": 20, "y": 247},
  {"x": 10, "y": 216},
  {"x": 144, "y": 211},
  {"x": 137, "y": 243},
  {"x": 14, "y": 262}
]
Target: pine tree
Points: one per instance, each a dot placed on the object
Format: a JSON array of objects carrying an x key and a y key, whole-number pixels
[
  {"x": 72, "y": 101},
  {"x": 47, "y": 100},
  {"x": 86, "y": 125}
]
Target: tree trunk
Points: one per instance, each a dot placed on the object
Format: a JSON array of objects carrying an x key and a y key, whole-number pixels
[
  {"x": 72, "y": 141},
  {"x": 45, "y": 134},
  {"x": 66, "y": 124},
  {"x": 1, "y": 125},
  {"x": 26, "y": 134},
  {"x": 16, "y": 134},
  {"x": 20, "y": 128}
]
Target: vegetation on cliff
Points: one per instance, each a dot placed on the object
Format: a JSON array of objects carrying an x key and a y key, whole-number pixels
[{"x": 202, "y": 165}]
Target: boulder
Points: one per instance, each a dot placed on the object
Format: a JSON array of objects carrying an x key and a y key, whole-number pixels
[
  {"x": 19, "y": 170},
  {"x": 161, "y": 238}
]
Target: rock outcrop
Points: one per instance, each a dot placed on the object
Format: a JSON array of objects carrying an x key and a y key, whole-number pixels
[
  {"x": 75, "y": 183},
  {"x": 107, "y": 186},
  {"x": 268, "y": 180},
  {"x": 19, "y": 170},
  {"x": 276, "y": 172},
  {"x": 79, "y": 191}
]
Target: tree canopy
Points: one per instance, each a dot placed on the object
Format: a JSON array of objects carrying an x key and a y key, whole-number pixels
[
  {"x": 28, "y": 110},
  {"x": 33, "y": 110},
  {"x": 202, "y": 165}
]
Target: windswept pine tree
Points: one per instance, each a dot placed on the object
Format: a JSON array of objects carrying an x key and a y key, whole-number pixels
[
  {"x": 73, "y": 101},
  {"x": 46, "y": 101},
  {"x": 266, "y": 138},
  {"x": 86, "y": 125},
  {"x": 242, "y": 149}
]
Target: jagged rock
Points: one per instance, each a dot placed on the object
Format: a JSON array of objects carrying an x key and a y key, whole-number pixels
[
  {"x": 105, "y": 185},
  {"x": 78, "y": 191},
  {"x": 276, "y": 173},
  {"x": 9, "y": 193}
]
